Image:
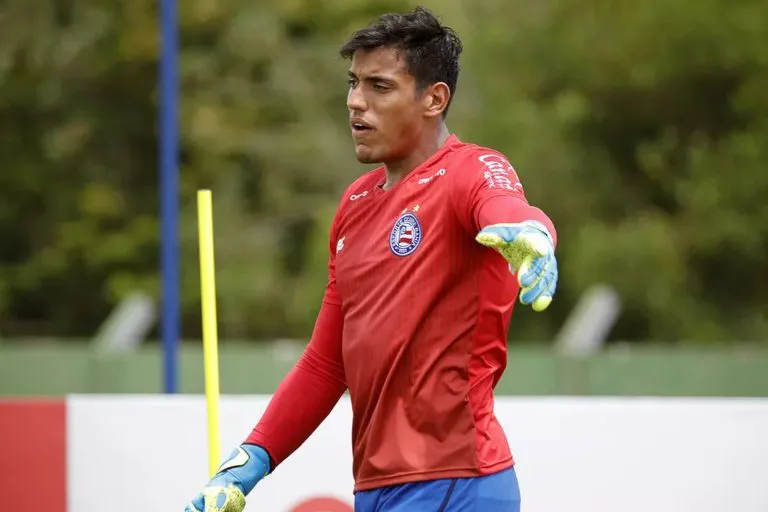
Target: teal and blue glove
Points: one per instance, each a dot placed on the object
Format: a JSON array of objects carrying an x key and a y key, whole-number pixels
[
  {"x": 228, "y": 488},
  {"x": 529, "y": 249}
]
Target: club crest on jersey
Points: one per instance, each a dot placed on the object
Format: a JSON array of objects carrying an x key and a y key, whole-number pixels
[{"x": 406, "y": 235}]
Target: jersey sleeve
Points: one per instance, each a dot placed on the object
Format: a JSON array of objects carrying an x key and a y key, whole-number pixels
[
  {"x": 313, "y": 386},
  {"x": 487, "y": 191}
]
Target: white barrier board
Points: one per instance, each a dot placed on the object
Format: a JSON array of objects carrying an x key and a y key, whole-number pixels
[{"x": 149, "y": 453}]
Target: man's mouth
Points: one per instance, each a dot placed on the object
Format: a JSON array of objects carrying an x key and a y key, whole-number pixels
[{"x": 360, "y": 127}]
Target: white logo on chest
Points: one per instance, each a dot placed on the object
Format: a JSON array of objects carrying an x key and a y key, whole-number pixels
[{"x": 424, "y": 181}]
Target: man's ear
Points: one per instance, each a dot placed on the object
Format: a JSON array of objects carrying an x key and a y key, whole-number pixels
[{"x": 436, "y": 98}]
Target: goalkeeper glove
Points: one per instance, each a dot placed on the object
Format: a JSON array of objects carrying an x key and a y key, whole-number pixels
[
  {"x": 529, "y": 249},
  {"x": 228, "y": 488}
]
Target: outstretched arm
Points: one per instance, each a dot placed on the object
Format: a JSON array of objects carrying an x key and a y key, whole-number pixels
[{"x": 489, "y": 197}]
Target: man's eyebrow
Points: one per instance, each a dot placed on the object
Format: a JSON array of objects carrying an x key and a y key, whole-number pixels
[{"x": 372, "y": 78}]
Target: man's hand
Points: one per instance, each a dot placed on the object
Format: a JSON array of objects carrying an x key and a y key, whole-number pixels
[
  {"x": 235, "y": 478},
  {"x": 530, "y": 251}
]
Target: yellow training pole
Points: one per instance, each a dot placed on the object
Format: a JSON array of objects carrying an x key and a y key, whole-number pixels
[{"x": 210, "y": 337}]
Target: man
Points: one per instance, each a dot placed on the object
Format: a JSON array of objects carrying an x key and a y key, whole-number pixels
[{"x": 427, "y": 256}]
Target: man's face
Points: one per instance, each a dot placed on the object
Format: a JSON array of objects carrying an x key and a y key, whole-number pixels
[{"x": 386, "y": 113}]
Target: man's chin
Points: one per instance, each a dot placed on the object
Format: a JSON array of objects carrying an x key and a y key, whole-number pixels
[{"x": 365, "y": 156}]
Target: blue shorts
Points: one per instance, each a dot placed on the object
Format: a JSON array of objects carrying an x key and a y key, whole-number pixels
[{"x": 492, "y": 493}]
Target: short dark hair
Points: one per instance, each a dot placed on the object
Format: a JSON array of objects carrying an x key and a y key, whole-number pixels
[{"x": 431, "y": 49}]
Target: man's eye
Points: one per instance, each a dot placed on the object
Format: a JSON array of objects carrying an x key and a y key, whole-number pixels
[
  {"x": 351, "y": 82},
  {"x": 380, "y": 87}
]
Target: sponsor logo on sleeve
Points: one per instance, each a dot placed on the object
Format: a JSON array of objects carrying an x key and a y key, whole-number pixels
[{"x": 499, "y": 173}]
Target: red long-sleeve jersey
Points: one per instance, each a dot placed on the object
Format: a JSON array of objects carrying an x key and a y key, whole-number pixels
[{"x": 413, "y": 323}]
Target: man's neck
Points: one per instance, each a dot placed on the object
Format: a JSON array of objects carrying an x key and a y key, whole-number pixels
[{"x": 396, "y": 171}]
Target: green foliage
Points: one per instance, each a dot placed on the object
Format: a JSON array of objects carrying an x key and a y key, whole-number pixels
[{"x": 640, "y": 128}]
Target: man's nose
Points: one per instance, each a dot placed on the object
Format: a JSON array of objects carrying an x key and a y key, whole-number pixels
[{"x": 356, "y": 100}]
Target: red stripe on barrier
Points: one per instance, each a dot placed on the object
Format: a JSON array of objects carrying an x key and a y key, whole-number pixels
[
  {"x": 33, "y": 455},
  {"x": 322, "y": 505}
]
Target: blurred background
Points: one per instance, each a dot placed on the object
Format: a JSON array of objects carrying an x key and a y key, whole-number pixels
[{"x": 641, "y": 128}]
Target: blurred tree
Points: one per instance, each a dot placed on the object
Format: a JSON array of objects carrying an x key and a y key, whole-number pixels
[
  {"x": 641, "y": 129},
  {"x": 659, "y": 110},
  {"x": 79, "y": 215}
]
